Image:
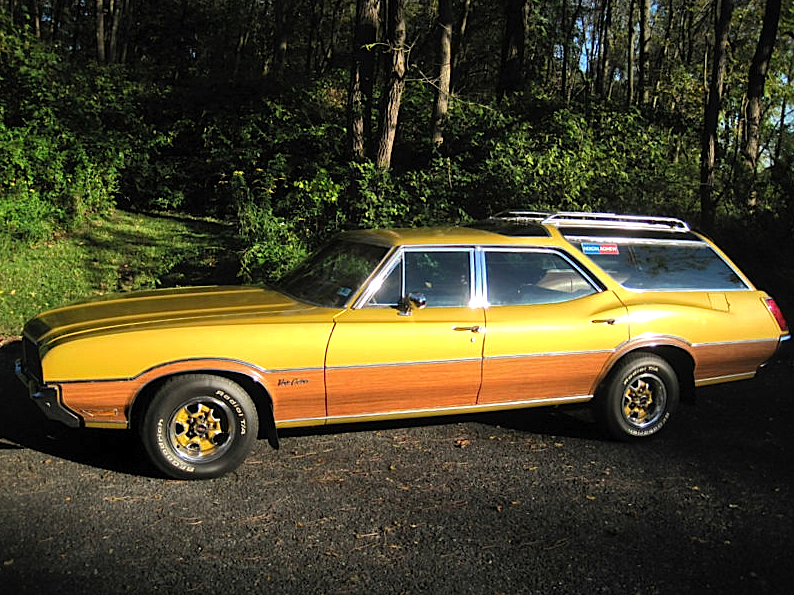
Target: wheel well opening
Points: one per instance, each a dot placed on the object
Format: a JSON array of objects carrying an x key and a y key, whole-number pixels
[
  {"x": 682, "y": 363},
  {"x": 258, "y": 393}
]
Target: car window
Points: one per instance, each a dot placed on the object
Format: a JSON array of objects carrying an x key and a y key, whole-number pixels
[
  {"x": 334, "y": 273},
  {"x": 390, "y": 290},
  {"x": 516, "y": 277},
  {"x": 442, "y": 276},
  {"x": 663, "y": 266}
]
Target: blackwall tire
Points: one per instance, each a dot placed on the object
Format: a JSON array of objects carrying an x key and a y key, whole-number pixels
[
  {"x": 199, "y": 426},
  {"x": 638, "y": 398}
]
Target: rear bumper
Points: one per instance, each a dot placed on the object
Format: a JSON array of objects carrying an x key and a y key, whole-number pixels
[
  {"x": 46, "y": 397},
  {"x": 782, "y": 358},
  {"x": 785, "y": 350}
]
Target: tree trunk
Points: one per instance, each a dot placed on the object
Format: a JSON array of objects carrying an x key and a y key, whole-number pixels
[
  {"x": 662, "y": 58},
  {"x": 390, "y": 104},
  {"x": 280, "y": 40},
  {"x": 118, "y": 12},
  {"x": 101, "y": 56},
  {"x": 645, "y": 46},
  {"x": 441, "y": 104},
  {"x": 362, "y": 75},
  {"x": 708, "y": 156},
  {"x": 56, "y": 19},
  {"x": 511, "y": 76},
  {"x": 459, "y": 39},
  {"x": 630, "y": 58},
  {"x": 755, "y": 84},
  {"x": 34, "y": 15},
  {"x": 603, "y": 69}
]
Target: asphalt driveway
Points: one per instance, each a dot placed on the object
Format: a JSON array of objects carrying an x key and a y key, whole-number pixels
[{"x": 525, "y": 502}]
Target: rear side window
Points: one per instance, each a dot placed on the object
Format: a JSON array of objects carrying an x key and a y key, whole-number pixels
[
  {"x": 520, "y": 278},
  {"x": 662, "y": 266}
]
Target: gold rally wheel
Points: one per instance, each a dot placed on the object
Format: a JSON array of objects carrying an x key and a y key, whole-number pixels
[
  {"x": 199, "y": 426},
  {"x": 638, "y": 397}
]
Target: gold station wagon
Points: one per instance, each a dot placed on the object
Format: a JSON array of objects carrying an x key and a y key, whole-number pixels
[{"x": 520, "y": 310}]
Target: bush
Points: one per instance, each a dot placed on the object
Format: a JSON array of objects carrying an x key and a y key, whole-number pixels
[
  {"x": 272, "y": 247},
  {"x": 23, "y": 215},
  {"x": 63, "y": 136}
]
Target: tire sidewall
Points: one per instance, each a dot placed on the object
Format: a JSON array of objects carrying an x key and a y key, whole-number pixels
[
  {"x": 179, "y": 391},
  {"x": 612, "y": 417}
]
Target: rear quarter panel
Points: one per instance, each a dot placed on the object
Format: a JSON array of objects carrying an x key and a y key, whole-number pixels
[{"x": 729, "y": 334}]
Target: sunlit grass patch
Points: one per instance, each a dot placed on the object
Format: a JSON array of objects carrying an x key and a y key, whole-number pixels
[{"x": 121, "y": 252}]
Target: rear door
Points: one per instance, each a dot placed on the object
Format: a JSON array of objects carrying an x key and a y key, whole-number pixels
[{"x": 550, "y": 327}]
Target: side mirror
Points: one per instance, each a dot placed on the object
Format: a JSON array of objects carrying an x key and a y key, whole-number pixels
[{"x": 413, "y": 300}]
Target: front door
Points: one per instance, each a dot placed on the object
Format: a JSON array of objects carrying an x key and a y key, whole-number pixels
[{"x": 383, "y": 359}]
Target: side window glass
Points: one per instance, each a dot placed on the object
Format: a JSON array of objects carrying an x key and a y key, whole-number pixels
[
  {"x": 664, "y": 266},
  {"x": 523, "y": 278},
  {"x": 442, "y": 276},
  {"x": 390, "y": 290}
]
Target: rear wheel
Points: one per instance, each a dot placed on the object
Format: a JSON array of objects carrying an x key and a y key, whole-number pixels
[
  {"x": 199, "y": 426},
  {"x": 638, "y": 398}
]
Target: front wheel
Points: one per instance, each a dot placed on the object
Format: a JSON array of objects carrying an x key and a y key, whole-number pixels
[
  {"x": 638, "y": 397},
  {"x": 199, "y": 426}
]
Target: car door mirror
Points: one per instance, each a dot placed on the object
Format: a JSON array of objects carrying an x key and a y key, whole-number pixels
[{"x": 410, "y": 302}]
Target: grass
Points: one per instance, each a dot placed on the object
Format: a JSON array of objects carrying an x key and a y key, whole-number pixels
[{"x": 117, "y": 253}]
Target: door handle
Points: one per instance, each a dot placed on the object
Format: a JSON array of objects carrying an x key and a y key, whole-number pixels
[
  {"x": 473, "y": 329},
  {"x": 603, "y": 321}
]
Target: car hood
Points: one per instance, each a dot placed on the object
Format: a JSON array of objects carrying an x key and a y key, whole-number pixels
[{"x": 160, "y": 308}]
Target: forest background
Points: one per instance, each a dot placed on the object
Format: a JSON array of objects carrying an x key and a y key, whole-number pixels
[{"x": 293, "y": 119}]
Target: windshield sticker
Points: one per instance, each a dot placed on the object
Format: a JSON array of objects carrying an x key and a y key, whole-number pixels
[{"x": 608, "y": 249}]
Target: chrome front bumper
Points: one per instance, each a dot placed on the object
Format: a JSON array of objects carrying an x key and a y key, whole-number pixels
[{"x": 46, "y": 397}]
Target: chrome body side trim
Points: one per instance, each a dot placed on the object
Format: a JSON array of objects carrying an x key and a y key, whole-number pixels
[{"x": 414, "y": 413}]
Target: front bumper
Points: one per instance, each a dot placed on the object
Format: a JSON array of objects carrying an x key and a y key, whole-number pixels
[{"x": 46, "y": 397}]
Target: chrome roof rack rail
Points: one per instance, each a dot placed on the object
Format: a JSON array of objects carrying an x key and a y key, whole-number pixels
[
  {"x": 613, "y": 220},
  {"x": 522, "y": 215}
]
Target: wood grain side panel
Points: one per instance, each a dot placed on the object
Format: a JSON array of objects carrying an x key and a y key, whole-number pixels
[
  {"x": 381, "y": 389},
  {"x": 101, "y": 402},
  {"x": 297, "y": 394},
  {"x": 540, "y": 376},
  {"x": 731, "y": 359},
  {"x": 301, "y": 394}
]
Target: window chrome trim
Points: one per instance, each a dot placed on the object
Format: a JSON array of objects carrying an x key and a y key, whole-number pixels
[
  {"x": 376, "y": 280},
  {"x": 589, "y": 278},
  {"x": 666, "y": 242},
  {"x": 477, "y": 270},
  {"x": 391, "y": 260}
]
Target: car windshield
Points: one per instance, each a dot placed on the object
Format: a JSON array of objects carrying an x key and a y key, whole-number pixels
[{"x": 332, "y": 275}]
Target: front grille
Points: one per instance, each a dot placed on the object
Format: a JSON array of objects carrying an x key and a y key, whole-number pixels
[{"x": 31, "y": 360}]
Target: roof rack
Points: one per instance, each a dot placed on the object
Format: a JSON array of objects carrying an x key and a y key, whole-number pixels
[
  {"x": 607, "y": 220},
  {"x": 522, "y": 215}
]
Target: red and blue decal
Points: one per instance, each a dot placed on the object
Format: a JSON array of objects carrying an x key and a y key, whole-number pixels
[{"x": 602, "y": 249}]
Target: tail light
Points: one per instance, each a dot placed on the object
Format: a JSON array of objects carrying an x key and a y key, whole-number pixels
[{"x": 774, "y": 309}]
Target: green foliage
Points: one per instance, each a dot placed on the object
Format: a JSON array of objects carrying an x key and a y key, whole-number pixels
[
  {"x": 193, "y": 123},
  {"x": 272, "y": 246},
  {"x": 23, "y": 214},
  {"x": 65, "y": 133},
  {"x": 542, "y": 157}
]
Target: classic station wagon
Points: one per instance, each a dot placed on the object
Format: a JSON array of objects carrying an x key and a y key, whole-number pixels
[{"x": 520, "y": 310}]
